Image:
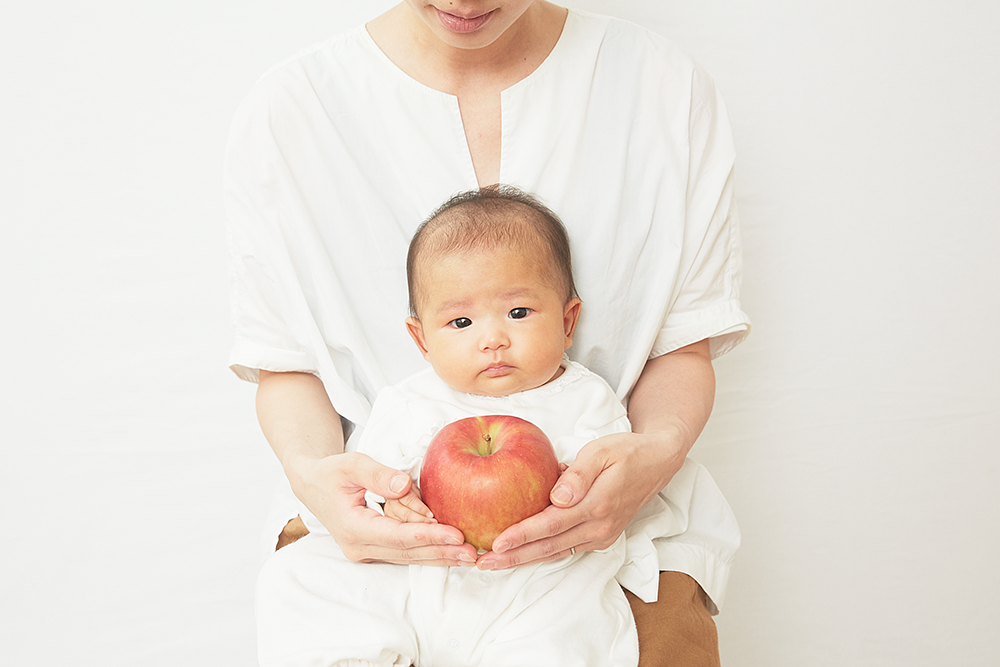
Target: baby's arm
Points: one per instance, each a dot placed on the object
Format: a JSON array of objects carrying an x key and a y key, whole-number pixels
[{"x": 409, "y": 509}]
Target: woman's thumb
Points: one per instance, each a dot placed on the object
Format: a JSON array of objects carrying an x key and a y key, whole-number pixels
[
  {"x": 399, "y": 484},
  {"x": 575, "y": 481},
  {"x": 385, "y": 481}
]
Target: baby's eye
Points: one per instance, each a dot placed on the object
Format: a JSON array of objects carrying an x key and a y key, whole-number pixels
[
  {"x": 518, "y": 313},
  {"x": 460, "y": 323}
]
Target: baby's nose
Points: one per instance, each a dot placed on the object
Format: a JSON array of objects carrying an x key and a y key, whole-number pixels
[{"x": 494, "y": 338}]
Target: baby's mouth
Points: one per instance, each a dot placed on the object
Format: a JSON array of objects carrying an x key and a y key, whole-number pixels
[{"x": 497, "y": 369}]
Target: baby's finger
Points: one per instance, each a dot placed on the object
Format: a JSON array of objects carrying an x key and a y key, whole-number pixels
[
  {"x": 394, "y": 509},
  {"x": 413, "y": 502}
]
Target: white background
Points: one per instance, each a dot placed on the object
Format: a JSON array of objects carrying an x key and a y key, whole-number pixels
[{"x": 855, "y": 432}]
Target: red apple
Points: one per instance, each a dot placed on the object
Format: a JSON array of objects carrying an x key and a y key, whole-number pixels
[{"x": 484, "y": 474}]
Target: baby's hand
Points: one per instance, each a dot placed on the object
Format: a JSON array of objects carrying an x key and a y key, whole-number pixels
[{"x": 409, "y": 509}]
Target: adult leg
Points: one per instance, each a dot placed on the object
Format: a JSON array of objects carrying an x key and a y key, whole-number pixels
[
  {"x": 677, "y": 630},
  {"x": 293, "y": 531}
]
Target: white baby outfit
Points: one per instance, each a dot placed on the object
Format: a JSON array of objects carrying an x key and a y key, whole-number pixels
[{"x": 313, "y": 601}]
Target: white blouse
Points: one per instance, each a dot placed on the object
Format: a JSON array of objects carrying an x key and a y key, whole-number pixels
[{"x": 336, "y": 156}]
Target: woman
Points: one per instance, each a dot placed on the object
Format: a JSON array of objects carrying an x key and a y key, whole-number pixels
[{"x": 341, "y": 151}]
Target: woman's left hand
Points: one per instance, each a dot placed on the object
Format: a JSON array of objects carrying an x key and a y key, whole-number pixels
[
  {"x": 593, "y": 501},
  {"x": 613, "y": 477}
]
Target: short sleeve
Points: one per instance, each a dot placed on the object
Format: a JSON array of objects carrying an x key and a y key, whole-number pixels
[
  {"x": 708, "y": 301},
  {"x": 283, "y": 285},
  {"x": 255, "y": 185}
]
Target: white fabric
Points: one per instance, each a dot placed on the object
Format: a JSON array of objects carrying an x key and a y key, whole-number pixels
[
  {"x": 437, "y": 615},
  {"x": 572, "y": 410},
  {"x": 313, "y": 609},
  {"x": 337, "y": 155}
]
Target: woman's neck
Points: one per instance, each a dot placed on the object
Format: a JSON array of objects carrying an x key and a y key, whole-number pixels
[{"x": 413, "y": 47}]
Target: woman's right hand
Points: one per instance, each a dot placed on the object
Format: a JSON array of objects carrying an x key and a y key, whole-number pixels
[
  {"x": 334, "y": 490},
  {"x": 305, "y": 433}
]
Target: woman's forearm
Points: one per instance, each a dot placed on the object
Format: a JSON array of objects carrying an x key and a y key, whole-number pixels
[
  {"x": 297, "y": 419},
  {"x": 674, "y": 398}
]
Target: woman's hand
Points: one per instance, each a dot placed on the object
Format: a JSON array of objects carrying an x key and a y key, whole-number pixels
[
  {"x": 593, "y": 501},
  {"x": 304, "y": 430},
  {"x": 334, "y": 490},
  {"x": 613, "y": 477}
]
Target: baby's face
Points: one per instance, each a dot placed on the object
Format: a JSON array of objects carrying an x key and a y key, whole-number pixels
[{"x": 490, "y": 323}]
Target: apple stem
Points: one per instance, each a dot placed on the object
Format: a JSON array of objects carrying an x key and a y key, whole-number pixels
[{"x": 489, "y": 444}]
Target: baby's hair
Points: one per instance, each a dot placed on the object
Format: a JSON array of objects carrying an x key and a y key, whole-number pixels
[{"x": 485, "y": 219}]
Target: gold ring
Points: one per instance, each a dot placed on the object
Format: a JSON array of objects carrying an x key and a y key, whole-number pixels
[{"x": 572, "y": 551}]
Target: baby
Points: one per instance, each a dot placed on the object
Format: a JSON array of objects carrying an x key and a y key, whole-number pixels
[{"x": 493, "y": 309}]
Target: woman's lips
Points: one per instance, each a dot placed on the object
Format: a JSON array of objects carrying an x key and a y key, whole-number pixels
[{"x": 463, "y": 24}]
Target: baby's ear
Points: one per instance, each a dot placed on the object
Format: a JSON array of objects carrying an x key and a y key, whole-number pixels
[
  {"x": 571, "y": 314},
  {"x": 416, "y": 332}
]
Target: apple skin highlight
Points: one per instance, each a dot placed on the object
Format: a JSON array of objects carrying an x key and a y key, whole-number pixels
[{"x": 484, "y": 474}]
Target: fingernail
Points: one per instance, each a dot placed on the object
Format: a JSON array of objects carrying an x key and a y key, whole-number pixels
[
  {"x": 486, "y": 566},
  {"x": 398, "y": 483},
  {"x": 500, "y": 547},
  {"x": 466, "y": 558},
  {"x": 562, "y": 495},
  {"x": 455, "y": 541}
]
